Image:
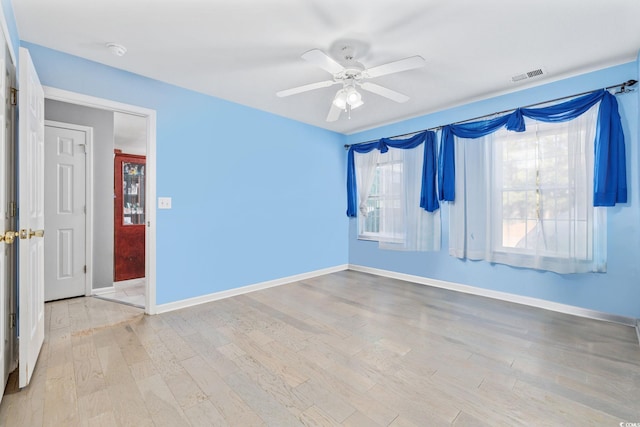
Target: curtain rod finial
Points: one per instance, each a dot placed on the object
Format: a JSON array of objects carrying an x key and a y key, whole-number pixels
[{"x": 624, "y": 87}]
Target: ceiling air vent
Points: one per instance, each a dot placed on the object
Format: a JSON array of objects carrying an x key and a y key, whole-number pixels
[{"x": 528, "y": 75}]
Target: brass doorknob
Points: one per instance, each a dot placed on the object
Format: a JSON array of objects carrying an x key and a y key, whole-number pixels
[
  {"x": 36, "y": 233},
  {"x": 9, "y": 236}
]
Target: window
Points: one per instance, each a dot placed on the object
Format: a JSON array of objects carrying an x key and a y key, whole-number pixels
[
  {"x": 380, "y": 218},
  {"x": 389, "y": 187},
  {"x": 528, "y": 198},
  {"x": 543, "y": 205}
]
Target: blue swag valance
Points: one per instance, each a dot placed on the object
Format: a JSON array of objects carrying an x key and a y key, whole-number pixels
[
  {"x": 428, "y": 194},
  {"x": 610, "y": 173}
]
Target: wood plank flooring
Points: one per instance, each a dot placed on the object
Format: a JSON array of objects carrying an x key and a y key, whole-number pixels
[{"x": 345, "y": 349}]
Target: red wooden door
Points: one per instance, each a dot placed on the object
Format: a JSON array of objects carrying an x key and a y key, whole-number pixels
[{"x": 129, "y": 216}]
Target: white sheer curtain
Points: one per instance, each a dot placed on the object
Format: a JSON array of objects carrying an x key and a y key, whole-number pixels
[
  {"x": 526, "y": 199},
  {"x": 366, "y": 164},
  {"x": 396, "y": 219},
  {"x": 408, "y": 226}
]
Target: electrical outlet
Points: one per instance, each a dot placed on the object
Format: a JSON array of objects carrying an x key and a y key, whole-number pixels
[{"x": 164, "y": 202}]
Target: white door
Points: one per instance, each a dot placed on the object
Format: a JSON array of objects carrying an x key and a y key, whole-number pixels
[
  {"x": 65, "y": 211},
  {"x": 31, "y": 218},
  {"x": 5, "y": 291}
]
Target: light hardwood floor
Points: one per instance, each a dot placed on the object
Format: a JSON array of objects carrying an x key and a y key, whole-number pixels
[{"x": 345, "y": 349}]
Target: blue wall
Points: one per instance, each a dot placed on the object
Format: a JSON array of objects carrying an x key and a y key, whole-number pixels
[
  {"x": 616, "y": 292},
  {"x": 7, "y": 10},
  {"x": 256, "y": 197}
]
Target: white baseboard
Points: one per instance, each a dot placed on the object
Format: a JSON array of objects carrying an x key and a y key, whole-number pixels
[
  {"x": 129, "y": 282},
  {"x": 504, "y": 296},
  {"x": 190, "y": 302},
  {"x": 98, "y": 291}
]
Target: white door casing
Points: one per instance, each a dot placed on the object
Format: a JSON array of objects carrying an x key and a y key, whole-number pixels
[
  {"x": 65, "y": 210},
  {"x": 31, "y": 218}
]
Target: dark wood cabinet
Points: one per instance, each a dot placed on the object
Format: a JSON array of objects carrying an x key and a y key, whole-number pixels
[{"x": 129, "y": 216}]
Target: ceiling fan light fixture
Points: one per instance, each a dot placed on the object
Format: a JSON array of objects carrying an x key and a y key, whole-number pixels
[
  {"x": 356, "y": 104},
  {"x": 340, "y": 99},
  {"x": 353, "y": 96}
]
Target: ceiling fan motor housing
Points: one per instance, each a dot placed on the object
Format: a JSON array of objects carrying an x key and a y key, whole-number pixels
[{"x": 351, "y": 72}]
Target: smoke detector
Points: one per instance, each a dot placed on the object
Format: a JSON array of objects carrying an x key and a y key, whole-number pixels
[{"x": 117, "y": 49}]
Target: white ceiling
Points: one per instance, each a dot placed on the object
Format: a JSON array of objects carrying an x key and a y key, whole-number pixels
[{"x": 247, "y": 50}]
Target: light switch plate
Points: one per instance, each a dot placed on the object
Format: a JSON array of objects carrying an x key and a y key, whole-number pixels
[{"x": 164, "y": 202}]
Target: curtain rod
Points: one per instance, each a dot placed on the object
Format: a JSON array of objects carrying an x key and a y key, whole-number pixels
[{"x": 623, "y": 89}]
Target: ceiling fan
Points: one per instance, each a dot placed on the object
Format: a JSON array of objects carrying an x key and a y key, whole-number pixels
[{"x": 352, "y": 75}]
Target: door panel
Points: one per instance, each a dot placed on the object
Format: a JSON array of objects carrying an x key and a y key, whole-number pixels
[
  {"x": 31, "y": 218},
  {"x": 65, "y": 218},
  {"x": 5, "y": 306}
]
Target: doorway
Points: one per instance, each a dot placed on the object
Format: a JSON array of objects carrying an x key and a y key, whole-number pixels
[
  {"x": 101, "y": 222},
  {"x": 130, "y": 207}
]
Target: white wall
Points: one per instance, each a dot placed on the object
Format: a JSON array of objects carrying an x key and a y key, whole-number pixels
[{"x": 130, "y": 133}]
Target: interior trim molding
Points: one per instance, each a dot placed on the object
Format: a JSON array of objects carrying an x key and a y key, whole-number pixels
[
  {"x": 190, "y": 302},
  {"x": 503, "y": 296},
  {"x": 100, "y": 291}
]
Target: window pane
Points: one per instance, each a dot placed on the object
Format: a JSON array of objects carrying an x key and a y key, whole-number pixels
[{"x": 513, "y": 233}]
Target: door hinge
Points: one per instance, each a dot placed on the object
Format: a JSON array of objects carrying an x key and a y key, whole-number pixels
[
  {"x": 85, "y": 269},
  {"x": 14, "y": 96},
  {"x": 12, "y": 320},
  {"x": 13, "y": 209}
]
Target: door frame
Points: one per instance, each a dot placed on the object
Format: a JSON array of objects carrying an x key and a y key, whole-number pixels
[
  {"x": 150, "y": 115},
  {"x": 88, "y": 194}
]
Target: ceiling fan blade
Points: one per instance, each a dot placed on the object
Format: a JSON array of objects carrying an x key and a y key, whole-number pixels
[
  {"x": 396, "y": 66},
  {"x": 322, "y": 60},
  {"x": 305, "y": 88},
  {"x": 334, "y": 113},
  {"x": 383, "y": 91}
]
